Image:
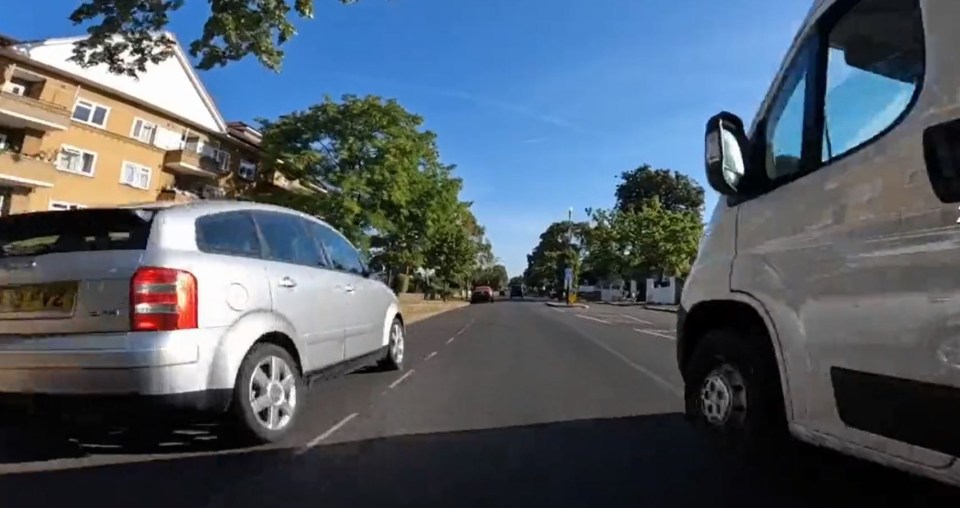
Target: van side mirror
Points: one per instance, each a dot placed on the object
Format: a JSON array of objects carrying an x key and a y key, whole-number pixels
[{"x": 726, "y": 143}]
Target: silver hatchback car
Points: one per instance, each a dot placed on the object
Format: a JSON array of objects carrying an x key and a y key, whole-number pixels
[{"x": 222, "y": 307}]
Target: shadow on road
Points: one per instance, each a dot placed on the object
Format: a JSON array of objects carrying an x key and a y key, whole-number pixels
[{"x": 649, "y": 461}]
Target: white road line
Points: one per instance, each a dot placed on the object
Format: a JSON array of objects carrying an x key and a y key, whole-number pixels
[
  {"x": 400, "y": 380},
  {"x": 431, "y": 355},
  {"x": 651, "y": 332},
  {"x": 450, "y": 340},
  {"x": 656, "y": 379},
  {"x": 328, "y": 433},
  {"x": 591, "y": 318},
  {"x": 636, "y": 319}
]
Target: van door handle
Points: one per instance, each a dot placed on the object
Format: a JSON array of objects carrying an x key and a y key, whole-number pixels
[{"x": 287, "y": 282}]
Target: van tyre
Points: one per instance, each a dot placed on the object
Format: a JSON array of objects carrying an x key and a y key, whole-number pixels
[
  {"x": 396, "y": 347},
  {"x": 733, "y": 390},
  {"x": 268, "y": 395}
]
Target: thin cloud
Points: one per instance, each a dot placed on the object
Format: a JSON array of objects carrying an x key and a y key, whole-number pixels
[{"x": 473, "y": 98}]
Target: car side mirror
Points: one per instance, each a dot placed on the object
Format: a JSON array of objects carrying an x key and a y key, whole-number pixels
[{"x": 726, "y": 142}]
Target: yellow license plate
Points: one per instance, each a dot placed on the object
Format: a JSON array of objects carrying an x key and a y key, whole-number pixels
[{"x": 52, "y": 297}]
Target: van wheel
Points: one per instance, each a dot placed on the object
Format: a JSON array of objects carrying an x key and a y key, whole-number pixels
[
  {"x": 267, "y": 395},
  {"x": 733, "y": 389},
  {"x": 395, "y": 348}
]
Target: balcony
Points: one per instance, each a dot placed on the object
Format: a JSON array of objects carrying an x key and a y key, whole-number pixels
[
  {"x": 21, "y": 112},
  {"x": 17, "y": 170},
  {"x": 196, "y": 161}
]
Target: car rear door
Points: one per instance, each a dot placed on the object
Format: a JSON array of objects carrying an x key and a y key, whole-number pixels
[
  {"x": 68, "y": 272},
  {"x": 366, "y": 304},
  {"x": 302, "y": 289}
]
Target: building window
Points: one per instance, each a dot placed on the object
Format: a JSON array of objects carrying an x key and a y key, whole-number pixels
[
  {"x": 248, "y": 170},
  {"x": 75, "y": 160},
  {"x": 3, "y": 142},
  {"x": 62, "y": 205},
  {"x": 90, "y": 113},
  {"x": 135, "y": 175},
  {"x": 223, "y": 160},
  {"x": 143, "y": 130}
]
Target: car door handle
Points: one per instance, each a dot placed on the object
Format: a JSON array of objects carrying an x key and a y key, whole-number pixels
[
  {"x": 348, "y": 288},
  {"x": 287, "y": 282}
]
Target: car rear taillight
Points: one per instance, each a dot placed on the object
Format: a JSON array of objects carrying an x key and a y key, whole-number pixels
[{"x": 162, "y": 299}]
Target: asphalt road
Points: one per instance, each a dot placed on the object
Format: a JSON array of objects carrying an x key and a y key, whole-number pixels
[{"x": 505, "y": 404}]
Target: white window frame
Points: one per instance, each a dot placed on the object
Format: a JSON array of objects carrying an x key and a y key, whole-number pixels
[
  {"x": 63, "y": 205},
  {"x": 140, "y": 169},
  {"x": 143, "y": 123},
  {"x": 245, "y": 167},
  {"x": 93, "y": 165},
  {"x": 3, "y": 141},
  {"x": 93, "y": 107}
]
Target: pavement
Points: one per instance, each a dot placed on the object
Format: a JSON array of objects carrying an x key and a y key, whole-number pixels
[{"x": 506, "y": 404}]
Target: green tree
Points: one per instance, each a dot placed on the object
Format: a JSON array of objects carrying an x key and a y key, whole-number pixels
[
  {"x": 452, "y": 252},
  {"x": 392, "y": 185},
  {"x": 555, "y": 252},
  {"x": 677, "y": 192},
  {"x": 516, "y": 281},
  {"x": 126, "y": 35},
  {"x": 638, "y": 241}
]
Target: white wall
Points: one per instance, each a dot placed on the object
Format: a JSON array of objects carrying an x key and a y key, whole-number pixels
[
  {"x": 662, "y": 295},
  {"x": 167, "y": 85}
]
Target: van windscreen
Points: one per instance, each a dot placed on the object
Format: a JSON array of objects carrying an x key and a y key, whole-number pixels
[{"x": 91, "y": 229}]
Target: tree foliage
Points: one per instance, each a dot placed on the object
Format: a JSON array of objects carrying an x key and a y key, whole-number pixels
[
  {"x": 126, "y": 35},
  {"x": 560, "y": 246},
  {"x": 677, "y": 192},
  {"x": 640, "y": 241},
  {"x": 396, "y": 196},
  {"x": 494, "y": 276}
]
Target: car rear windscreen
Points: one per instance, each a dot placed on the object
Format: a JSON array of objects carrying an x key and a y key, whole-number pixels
[{"x": 83, "y": 230}]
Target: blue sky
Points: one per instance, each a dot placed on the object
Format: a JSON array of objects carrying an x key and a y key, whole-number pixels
[{"x": 540, "y": 103}]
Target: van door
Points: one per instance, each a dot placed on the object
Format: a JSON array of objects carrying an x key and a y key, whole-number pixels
[
  {"x": 366, "y": 306},
  {"x": 836, "y": 244},
  {"x": 302, "y": 290}
]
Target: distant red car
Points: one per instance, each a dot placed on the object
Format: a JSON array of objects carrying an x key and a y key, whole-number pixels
[{"x": 482, "y": 294}]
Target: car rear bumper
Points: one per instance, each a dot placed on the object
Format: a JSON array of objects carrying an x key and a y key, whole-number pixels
[
  {"x": 141, "y": 363},
  {"x": 122, "y": 407}
]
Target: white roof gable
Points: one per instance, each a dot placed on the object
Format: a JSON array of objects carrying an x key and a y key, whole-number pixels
[{"x": 170, "y": 86}]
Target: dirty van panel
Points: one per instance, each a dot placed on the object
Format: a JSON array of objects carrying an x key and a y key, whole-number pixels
[{"x": 69, "y": 271}]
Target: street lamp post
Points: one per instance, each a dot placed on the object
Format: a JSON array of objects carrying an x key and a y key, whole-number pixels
[{"x": 568, "y": 282}]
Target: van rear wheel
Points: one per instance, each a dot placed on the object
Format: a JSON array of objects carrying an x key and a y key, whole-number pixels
[
  {"x": 267, "y": 395},
  {"x": 733, "y": 389}
]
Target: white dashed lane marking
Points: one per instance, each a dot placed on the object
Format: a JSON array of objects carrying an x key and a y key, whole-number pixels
[
  {"x": 329, "y": 432},
  {"x": 431, "y": 355},
  {"x": 401, "y": 378},
  {"x": 655, "y": 332},
  {"x": 591, "y": 318}
]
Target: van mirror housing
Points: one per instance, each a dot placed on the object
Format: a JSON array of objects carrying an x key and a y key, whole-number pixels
[{"x": 726, "y": 143}]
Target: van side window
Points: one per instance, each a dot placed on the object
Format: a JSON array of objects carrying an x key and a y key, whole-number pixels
[
  {"x": 287, "y": 240},
  {"x": 784, "y": 130},
  {"x": 875, "y": 63},
  {"x": 342, "y": 254},
  {"x": 230, "y": 233}
]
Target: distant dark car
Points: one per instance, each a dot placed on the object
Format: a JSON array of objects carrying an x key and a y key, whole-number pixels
[
  {"x": 516, "y": 292},
  {"x": 503, "y": 292},
  {"x": 482, "y": 294}
]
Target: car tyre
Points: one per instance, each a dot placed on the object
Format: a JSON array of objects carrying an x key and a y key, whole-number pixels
[
  {"x": 268, "y": 395},
  {"x": 396, "y": 346},
  {"x": 733, "y": 390}
]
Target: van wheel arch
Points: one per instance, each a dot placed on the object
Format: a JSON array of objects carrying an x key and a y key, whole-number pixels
[
  {"x": 282, "y": 340},
  {"x": 721, "y": 314}
]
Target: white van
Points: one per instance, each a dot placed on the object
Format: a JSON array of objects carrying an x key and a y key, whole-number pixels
[{"x": 825, "y": 298}]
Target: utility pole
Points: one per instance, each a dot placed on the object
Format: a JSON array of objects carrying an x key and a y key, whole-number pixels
[{"x": 568, "y": 276}]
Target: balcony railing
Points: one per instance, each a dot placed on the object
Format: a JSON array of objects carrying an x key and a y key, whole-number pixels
[
  {"x": 25, "y": 171},
  {"x": 25, "y": 112}
]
